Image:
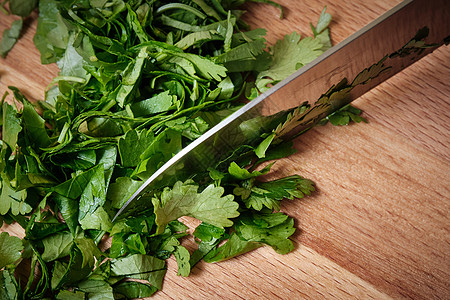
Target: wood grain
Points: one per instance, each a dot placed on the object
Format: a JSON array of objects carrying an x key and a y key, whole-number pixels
[{"x": 378, "y": 226}]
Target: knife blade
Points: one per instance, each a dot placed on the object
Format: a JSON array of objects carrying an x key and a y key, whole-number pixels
[{"x": 376, "y": 52}]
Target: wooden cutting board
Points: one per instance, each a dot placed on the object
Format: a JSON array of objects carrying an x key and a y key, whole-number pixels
[{"x": 378, "y": 226}]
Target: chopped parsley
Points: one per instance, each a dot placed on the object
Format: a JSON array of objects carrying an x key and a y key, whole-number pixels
[{"x": 138, "y": 81}]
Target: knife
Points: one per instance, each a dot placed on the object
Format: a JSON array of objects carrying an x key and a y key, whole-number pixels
[{"x": 395, "y": 40}]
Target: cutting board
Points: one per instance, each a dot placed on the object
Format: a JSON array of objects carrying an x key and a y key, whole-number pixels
[{"x": 378, "y": 224}]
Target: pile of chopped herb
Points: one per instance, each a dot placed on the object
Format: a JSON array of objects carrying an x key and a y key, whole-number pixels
[{"x": 138, "y": 81}]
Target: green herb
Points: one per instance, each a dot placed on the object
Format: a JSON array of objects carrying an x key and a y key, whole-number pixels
[
  {"x": 345, "y": 115},
  {"x": 138, "y": 81},
  {"x": 22, "y": 8},
  {"x": 10, "y": 37},
  {"x": 10, "y": 288},
  {"x": 183, "y": 200},
  {"x": 10, "y": 249},
  {"x": 293, "y": 52}
]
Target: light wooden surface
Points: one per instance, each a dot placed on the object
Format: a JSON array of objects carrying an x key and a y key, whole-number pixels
[{"x": 378, "y": 226}]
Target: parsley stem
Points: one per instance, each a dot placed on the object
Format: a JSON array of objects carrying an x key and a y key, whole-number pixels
[{"x": 169, "y": 6}]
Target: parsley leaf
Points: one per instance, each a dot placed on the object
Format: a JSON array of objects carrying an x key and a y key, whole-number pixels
[
  {"x": 121, "y": 190},
  {"x": 243, "y": 174},
  {"x": 10, "y": 287},
  {"x": 10, "y": 37},
  {"x": 11, "y": 126},
  {"x": 134, "y": 289},
  {"x": 289, "y": 54},
  {"x": 10, "y": 249},
  {"x": 22, "y": 7},
  {"x": 233, "y": 247},
  {"x": 273, "y": 229},
  {"x": 96, "y": 289},
  {"x": 258, "y": 195},
  {"x": 184, "y": 200},
  {"x": 56, "y": 246},
  {"x": 346, "y": 114},
  {"x": 140, "y": 266},
  {"x": 321, "y": 30},
  {"x": 293, "y": 52},
  {"x": 14, "y": 201}
]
